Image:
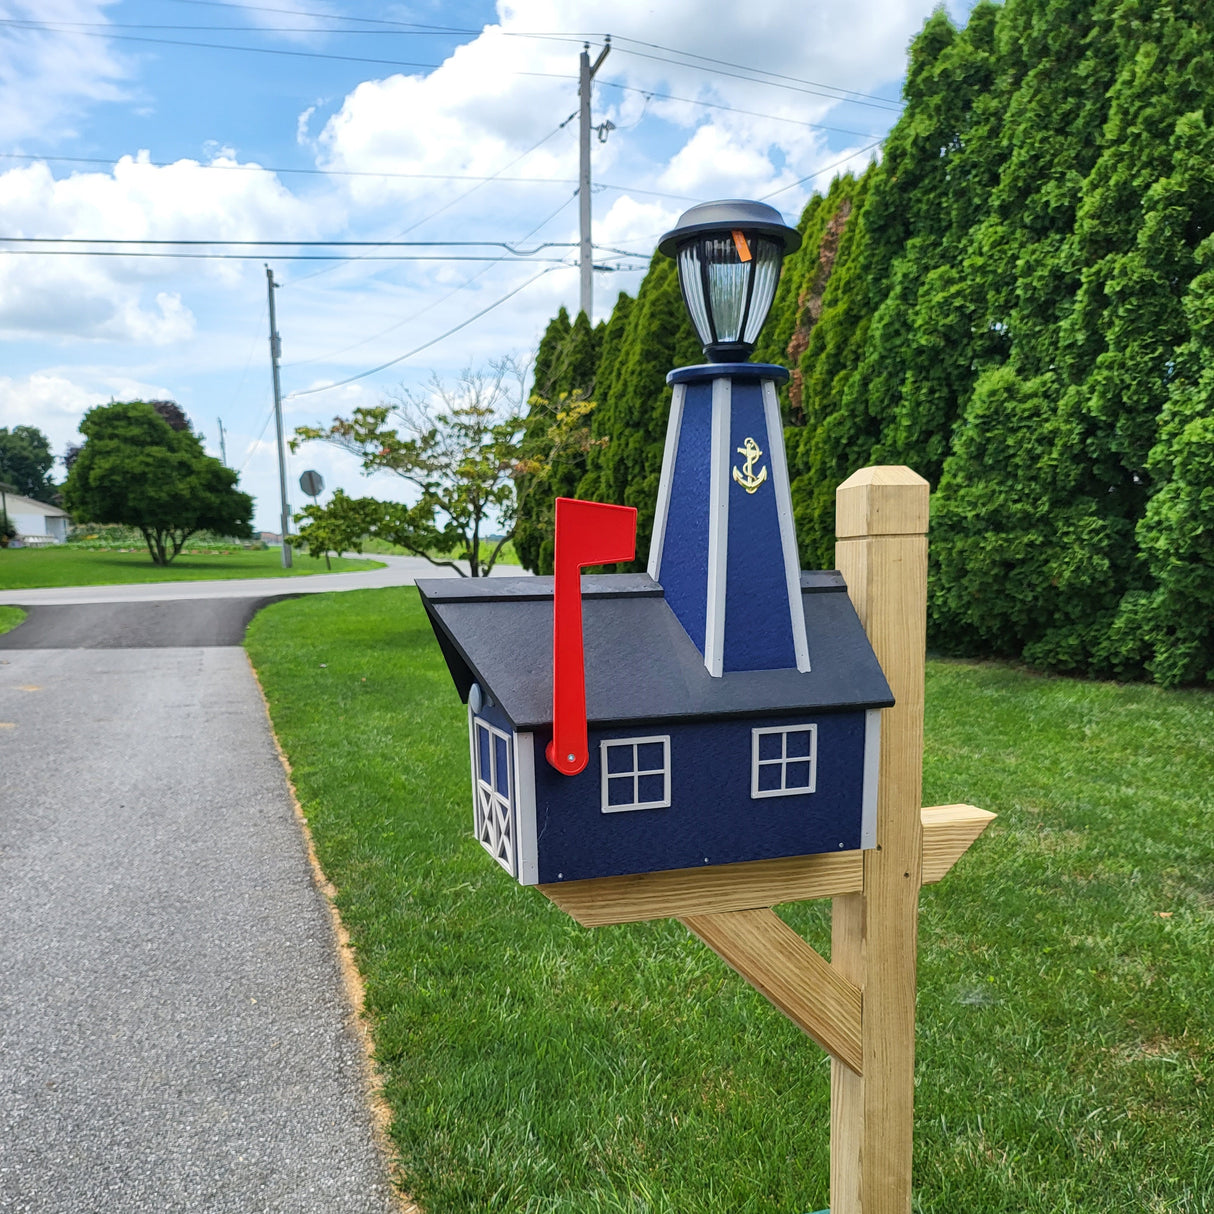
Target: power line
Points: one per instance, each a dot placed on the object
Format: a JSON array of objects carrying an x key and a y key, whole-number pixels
[
  {"x": 248, "y": 455},
  {"x": 326, "y": 244},
  {"x": 459, "y": 197},
  {"x": 733, "y": 109},
  {"x": 429, "y": 307},
  {"x": 424, "y": 346},
  {"x": 820, "y": 172},
  {"x": 852, "y": 93},
  {"x": 260, "y": 168},
  {"x": 262, "y": 256},
  {"x": 791, "y": 83},
  {"x": 77, "y": 26},
  {"x": 297, "y": 12},
  {"x": 221, "y": 46}
]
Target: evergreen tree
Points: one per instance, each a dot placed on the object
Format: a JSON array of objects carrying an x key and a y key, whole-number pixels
[
  {"x": 547, "y": 357},
  {"x": 633, "y": 404},
  {"x": 1014, "y": 302},
  {"x": 566, "y": 372},
  {"x": 1171, "y": 626}
]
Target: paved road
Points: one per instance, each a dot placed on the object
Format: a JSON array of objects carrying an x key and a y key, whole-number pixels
[
  {"x": 174, "y": 1034},
  {"x": 137, "y": 625},
  {"x": 397, "y": 571}
]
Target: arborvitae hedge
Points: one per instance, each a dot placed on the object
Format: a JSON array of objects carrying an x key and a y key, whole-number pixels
[{"x": 1018, "y": 302}]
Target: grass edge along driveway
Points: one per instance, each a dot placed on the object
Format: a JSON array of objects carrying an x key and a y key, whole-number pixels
[
  {"x": 41, "y": 568},
  {"x": 10, "y": 617},
  {"x": 1066, "y": 1001}
]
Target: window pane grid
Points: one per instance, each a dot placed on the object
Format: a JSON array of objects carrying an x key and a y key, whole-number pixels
[
  {"x": 794, "y": 771},
  {"x": 623, "y": 773}
]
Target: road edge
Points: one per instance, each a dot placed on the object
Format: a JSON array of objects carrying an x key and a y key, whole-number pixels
[{"x": 352, "y": 983}]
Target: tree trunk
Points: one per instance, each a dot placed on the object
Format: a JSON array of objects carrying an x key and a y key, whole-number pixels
[{"x": 153, "y": 545}]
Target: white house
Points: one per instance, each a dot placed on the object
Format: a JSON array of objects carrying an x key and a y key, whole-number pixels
[{"x": 37, "y": 522}]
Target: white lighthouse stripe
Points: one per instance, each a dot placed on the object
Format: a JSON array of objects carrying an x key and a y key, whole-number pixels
[
  {"x": 524, "y": 804},
  {"x": 718, "y": 525},
  {"x": 872, "y": 767},
  {"x": 673, "y": 427},
  {"x": 788, "y": 531}
]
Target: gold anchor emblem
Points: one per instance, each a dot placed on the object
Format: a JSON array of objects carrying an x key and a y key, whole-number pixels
[{"x": 746, "y": 478}]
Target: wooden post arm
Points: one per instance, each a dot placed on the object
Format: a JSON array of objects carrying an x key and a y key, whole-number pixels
[{"x": 948, "y": 832}]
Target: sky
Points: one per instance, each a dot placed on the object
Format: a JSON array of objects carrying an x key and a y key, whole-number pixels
[{"x": 437, "y": 123}]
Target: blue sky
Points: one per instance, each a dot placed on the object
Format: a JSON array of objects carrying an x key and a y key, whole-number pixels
[{"x": 115, "y": 123}]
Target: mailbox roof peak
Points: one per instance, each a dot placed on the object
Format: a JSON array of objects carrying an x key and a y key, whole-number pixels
[{"x": 640, "y": 663}]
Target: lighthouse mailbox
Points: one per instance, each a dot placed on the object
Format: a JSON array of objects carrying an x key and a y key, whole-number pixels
[{"x": 723, "y": 706}]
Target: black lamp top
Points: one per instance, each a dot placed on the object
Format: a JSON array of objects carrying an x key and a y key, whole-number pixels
[{"x": 728, "y": 215}]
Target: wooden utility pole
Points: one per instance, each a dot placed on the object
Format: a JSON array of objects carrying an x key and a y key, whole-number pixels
[
  {"x": 585, "y": 257},
  {"x": 223, "y": 447},
  {"x": 275, "y": 354}
]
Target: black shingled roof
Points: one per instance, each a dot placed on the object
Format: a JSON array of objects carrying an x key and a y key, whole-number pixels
[{"x": 640, "y": 663}]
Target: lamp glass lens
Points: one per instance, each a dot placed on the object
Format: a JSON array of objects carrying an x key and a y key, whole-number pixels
[
  {"x": 693, "y": 289},
  {"x": 767, "y": 257},
  {"x": 727, "y": 280}
]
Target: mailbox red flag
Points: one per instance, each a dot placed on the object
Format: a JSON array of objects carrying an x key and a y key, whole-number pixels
[{"x": 587, "y": 533}]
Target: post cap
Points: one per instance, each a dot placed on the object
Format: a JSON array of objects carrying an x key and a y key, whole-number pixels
[{"x": 887, "y": 499}]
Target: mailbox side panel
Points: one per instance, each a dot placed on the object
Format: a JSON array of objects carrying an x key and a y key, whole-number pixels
[{"x": 714, "y": 815}]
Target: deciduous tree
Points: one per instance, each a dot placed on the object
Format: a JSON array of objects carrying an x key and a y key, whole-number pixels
[
  {"x": 135, "y": 468},
  {"x": 26, "y": 461},
  {"x": 461, "y": 447}
]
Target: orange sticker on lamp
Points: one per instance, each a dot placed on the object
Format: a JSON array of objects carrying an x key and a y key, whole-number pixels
[{"x": 739, "y": 241}]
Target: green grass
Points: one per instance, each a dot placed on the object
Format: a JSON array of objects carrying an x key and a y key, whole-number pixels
[
  {"x": 10, "y": 617},
  {"x": 26, "y": 568},
  {"x": 1066, "y": 1007}
]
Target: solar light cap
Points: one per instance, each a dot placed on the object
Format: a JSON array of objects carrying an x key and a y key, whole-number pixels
[{"x": 729, "y": 215}]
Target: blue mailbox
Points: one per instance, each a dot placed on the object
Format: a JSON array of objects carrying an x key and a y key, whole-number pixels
[{"x": 731, "y": 701}]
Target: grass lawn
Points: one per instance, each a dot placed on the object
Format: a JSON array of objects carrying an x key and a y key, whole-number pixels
[
  {"x": 26, "y": 568},
  {"x": 10, "y": 617},
  {"x": 1066, "y": 1006}
]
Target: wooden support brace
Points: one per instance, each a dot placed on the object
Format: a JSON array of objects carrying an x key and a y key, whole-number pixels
[
  {"x": 781, "y": 966},
  {"x": 948, "y": 831}
]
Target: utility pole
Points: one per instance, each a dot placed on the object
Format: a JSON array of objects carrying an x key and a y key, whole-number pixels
[
  {"x": 223, "y": 450},
  {"x": 275, "y": 353},
  {"x": 585, "y": 76}
]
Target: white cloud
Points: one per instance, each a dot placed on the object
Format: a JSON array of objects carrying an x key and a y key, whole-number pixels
[
  {"x": 499, "y": 94},
  {"x": 129, "y": 298},
  {"x": 302, "y": 137},
  {"x": 297, "y": 25},
  {"x": 48, "y": 79},
  {"x": 55, "y": 401}
]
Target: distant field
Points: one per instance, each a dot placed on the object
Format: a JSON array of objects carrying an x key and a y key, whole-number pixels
[
  {"x": 507, "y": 556},
  {"x": 27, "y": 568},
  {"x": 10, "y": 617}
]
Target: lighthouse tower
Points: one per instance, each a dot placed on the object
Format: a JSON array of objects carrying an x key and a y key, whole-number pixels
[{"x": 724, "y": 546}]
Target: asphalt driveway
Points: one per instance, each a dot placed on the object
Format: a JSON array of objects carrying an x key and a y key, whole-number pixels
[{"x": 174, "y": 1032}]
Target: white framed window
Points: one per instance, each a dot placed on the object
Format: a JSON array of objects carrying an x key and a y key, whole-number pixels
[
  {"x": 784, "y": 760},
  {"x": 492, "y": 784},
  {"x": 636, "y": 773}
]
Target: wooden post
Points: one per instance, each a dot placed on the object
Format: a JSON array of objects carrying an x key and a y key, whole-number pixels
[{"x": 881, "y": 527}]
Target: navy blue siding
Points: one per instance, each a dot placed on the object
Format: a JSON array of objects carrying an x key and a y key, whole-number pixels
[
  {"x": 712, "y": 818},
  {"x": 684, "y": 572},
  {"x": 758, "y": 618}
]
